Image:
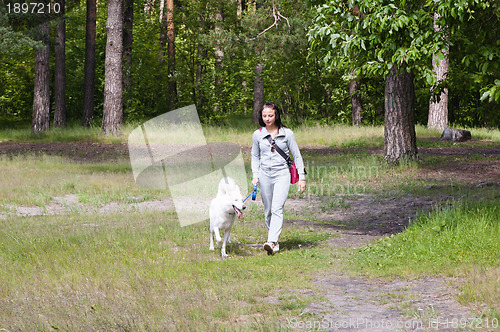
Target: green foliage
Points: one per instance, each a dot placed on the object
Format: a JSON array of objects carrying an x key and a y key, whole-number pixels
[
  {"x": 308, "y": 88},
  {"x": 493, "y": 94},
  {"x": 369, "y": 37},
  {"x": 16, "y": 89},
  {"x": 11, "y": 41}
]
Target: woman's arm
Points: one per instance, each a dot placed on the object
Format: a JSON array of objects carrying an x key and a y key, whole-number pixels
[
  {"x": 297, "y": 157},
  {"x": 299, "y": 162},
  {"x": 255, "y": 158}
]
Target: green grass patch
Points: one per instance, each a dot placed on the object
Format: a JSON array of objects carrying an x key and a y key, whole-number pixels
[
  {"x": 239, "y": 131},
  {"x": 74, "y": 132},
  {"x": 452, "y": 241},
  {"x": 36, "y": 180},
  {"x": 145, "y": 272}
]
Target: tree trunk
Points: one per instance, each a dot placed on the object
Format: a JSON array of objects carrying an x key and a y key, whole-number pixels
[
  {"x": 89, "y": 67},
  {"x": 241, "y": 7},
  {"x": 167, "y": 41},
  {"x": 149, "y": 7},
  {"x": 219, "y": 60},
  {"x": 258, "y": 93},
  {"x": 172, "y": 84},
  {"x": 127, "y": 51},
  {"x": 399, "y": 132},
  {"x": 438, "y": 110},
  {"x": 357, "y": 109},
  {"x": 197, "y": 93},
  {"x": 60, "y": 72},
  {"x": 113, "y": 83},
  {"x": 41, "y": 97}
]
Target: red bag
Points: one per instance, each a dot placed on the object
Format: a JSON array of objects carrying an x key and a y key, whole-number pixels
[{"x": 294, "y": 174}]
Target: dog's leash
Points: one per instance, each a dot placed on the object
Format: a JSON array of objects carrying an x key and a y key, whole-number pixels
[{"x": 253, "y": 193}]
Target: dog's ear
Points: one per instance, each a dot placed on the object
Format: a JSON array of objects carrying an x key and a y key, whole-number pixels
[
  {"x": 223, "y": 190},
  {"x": 223, "y": 187}
]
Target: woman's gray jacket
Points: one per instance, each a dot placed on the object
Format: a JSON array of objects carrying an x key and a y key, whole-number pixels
[{"x": 272, "y": 162}]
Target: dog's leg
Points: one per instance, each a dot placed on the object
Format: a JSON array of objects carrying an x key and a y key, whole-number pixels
[
  {"x": 217, "y": 235},
  {"x": 227, "y": 234},
  {"x": 211, "y": 240},
  {"x": 229, "y": 239}
]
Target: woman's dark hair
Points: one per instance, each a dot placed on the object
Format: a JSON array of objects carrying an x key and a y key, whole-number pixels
[{"x": 277, "y": 113}]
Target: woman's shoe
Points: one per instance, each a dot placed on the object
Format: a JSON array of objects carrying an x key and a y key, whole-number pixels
[{"x": 269, "y": 247}]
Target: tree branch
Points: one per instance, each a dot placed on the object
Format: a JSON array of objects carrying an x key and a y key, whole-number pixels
[{"x": 277, "y": 16}]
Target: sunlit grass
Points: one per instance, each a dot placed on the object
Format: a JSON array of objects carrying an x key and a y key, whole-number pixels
[
  {"x": 240, "y": 132},
  {"x": 36, "y": 180},
  {"x": 145, "y": 272}
]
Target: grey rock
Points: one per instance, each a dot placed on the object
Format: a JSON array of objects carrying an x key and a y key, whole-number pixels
[{"x": 455, "y": 135}]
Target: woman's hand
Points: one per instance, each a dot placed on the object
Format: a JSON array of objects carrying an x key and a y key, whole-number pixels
[
  {"x": 302, "y": 186},
  {"x": 255, "y": 181}
]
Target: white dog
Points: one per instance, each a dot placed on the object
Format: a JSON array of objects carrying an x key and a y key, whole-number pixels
[{"x": 223, "y": 209}]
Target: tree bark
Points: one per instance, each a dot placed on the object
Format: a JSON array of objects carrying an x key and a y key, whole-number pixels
[
  {"x": 357, "y": 109},
  {"x": 113, "y": 83},
  {"x": 41, "y": 97},
  {"x": 89, "y": 67},
  {"x": 172, "y": 84},
  {"x": 127, "y": 51},
  {"x": 60, "y": 72},
  {"x": 219, "y": 60},
  {"x": 197, "y": 93},
  {"x": 167, "y": 45},
  {"x": 438, "y": 110},
  {"x": 241, "y": 7},
  {"x": 258, "y": 93},
  {"x": 399, "y": 132}
]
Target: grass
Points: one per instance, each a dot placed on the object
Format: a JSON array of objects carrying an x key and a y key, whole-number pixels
[
  {"x": 462, "y": 239},
  {"x": 35, "y": 180},
  {"x": 142, "y": 271},
  {"x": 145, "y": 272},
  {"x": 238, "y": 130}
]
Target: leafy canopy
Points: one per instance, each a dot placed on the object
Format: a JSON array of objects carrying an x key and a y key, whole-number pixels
[{"x": 371, "y": 36}]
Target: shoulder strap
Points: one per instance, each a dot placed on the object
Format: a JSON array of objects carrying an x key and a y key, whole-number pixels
[{"x": 289, "y": 160}]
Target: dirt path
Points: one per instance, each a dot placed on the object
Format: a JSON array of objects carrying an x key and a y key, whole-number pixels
[
  {"x": 361, "y": 304},
  {"x": 354, "y": 303}
]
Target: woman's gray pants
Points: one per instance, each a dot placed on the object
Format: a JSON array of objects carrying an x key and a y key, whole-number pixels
[{"x": 274, "y": 192}]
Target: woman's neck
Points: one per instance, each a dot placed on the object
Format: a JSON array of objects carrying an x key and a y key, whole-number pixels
[{"x": 271, "y": 128}]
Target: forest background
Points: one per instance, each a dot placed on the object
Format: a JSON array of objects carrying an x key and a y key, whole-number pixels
[{"x": 228, "y": 57}]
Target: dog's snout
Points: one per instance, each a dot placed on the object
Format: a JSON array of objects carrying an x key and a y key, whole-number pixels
[{"x": 244, "y": 207}]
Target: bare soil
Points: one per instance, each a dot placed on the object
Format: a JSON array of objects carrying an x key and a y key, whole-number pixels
[
  {"x": 349, "y": 303},
  {"x": 90, "y": 152}
]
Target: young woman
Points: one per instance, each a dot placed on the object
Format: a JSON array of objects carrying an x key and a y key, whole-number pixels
[{"x": 271, "y": 172}]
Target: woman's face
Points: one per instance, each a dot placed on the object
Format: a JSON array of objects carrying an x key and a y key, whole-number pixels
[{"x": 268, "y": 116}]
